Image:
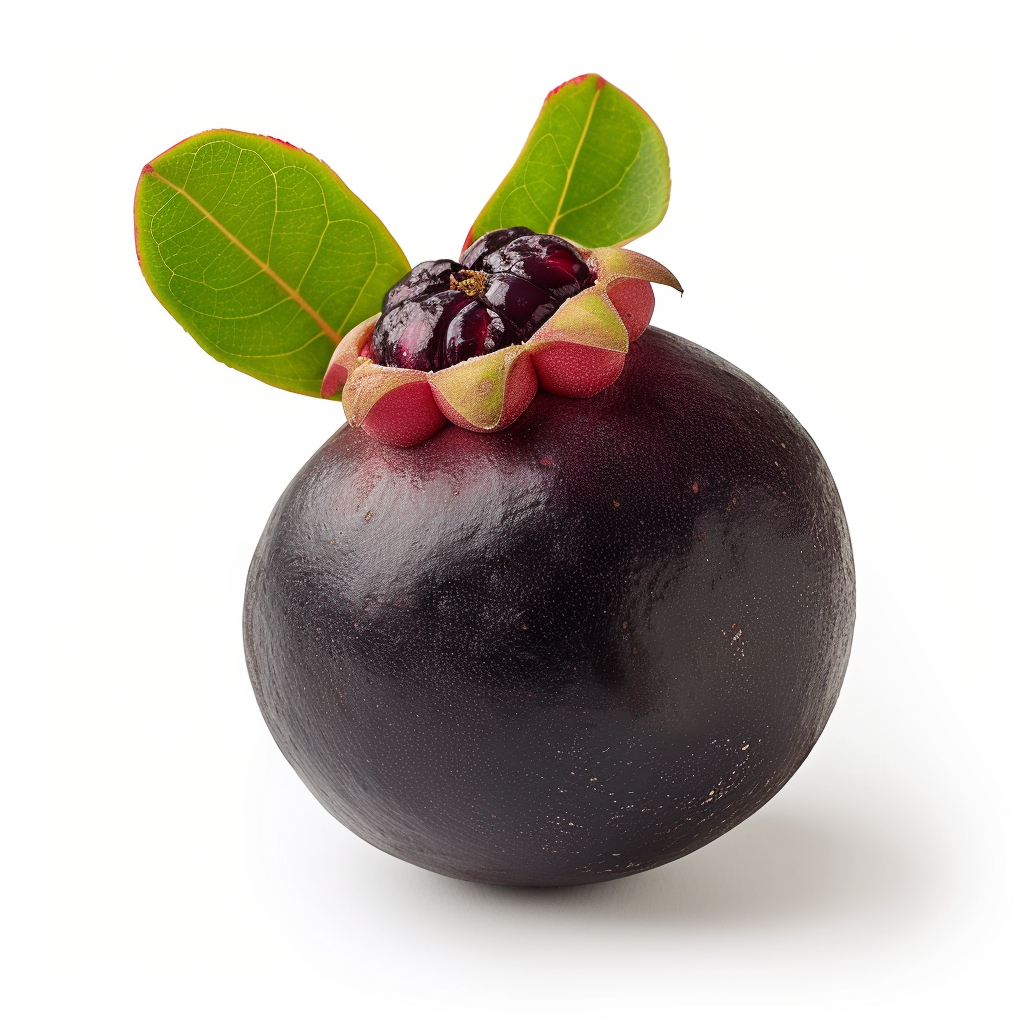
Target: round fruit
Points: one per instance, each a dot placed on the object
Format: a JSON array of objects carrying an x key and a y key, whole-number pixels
[{"x": 568, "y": 651}]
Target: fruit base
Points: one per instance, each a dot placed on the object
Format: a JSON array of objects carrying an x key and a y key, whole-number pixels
[{"x": 569, "y": 651}]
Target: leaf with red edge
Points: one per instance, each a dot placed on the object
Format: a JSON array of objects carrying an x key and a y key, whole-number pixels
[
  {"x": 594, "y": 169},
  {"x": 261, "y": 252}
]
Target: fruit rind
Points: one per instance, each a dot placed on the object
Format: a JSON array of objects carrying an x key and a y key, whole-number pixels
[
  {"x": 632, "y": 614},
  {"x": 577, "y": 352}
]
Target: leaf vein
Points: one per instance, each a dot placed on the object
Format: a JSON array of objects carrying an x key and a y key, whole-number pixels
[
  {"x": 572, "y": 166},
  {"x": 264, "y": 266},
  {"x": 608, "y": 191},
  {"x": 369, "y": 277}
]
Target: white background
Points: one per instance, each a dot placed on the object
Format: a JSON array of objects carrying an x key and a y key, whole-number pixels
[{"x": 846, "y": 219}]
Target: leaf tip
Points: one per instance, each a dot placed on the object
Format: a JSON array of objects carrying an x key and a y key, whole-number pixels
[{"x": 578, "y": 80}]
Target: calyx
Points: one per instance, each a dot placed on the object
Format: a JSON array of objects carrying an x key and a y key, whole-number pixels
[{"x": 442, "y": 314}]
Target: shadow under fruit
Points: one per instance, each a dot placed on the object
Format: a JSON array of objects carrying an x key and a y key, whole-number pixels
[{"x": 569, "y": 651}]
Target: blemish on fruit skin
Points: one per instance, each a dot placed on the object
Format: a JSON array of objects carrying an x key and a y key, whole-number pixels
[
  {"x": 368, "y": 517},
  {"x": 544, "y": 461},
  {"x": 616, "y": 504},
  {"x": 696, "y": 487}
]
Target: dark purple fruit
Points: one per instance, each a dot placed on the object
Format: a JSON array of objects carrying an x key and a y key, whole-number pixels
[
  {"x": 568, "y": 651},
  {"x": 414, "y": 332},
  {"x": 489, "y": 242},
  {"x": 543, "y": 260},
  {"x": 475, "y": 331},
  {"x": 519, "y": 277},
  {"x": 523, "y": 304},
  {"x": 424, "y": 279}
]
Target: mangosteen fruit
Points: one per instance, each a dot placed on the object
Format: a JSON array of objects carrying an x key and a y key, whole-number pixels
[
  {"x": 571, "y": 650},
  {"x": 568, "y": 597}
]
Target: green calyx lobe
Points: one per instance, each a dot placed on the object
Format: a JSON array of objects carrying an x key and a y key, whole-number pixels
[{"x": 264, "y": 255}]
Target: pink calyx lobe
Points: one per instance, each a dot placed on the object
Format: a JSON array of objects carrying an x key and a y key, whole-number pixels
[{"x": 577, "y": 353}]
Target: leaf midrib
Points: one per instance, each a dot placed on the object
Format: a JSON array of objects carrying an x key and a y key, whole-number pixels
[
  {"x": 291, "y": 292},
  {"x": 575, "y": 157}
]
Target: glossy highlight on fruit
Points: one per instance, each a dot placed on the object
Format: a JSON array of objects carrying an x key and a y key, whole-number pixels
[
  {"x": 566, "y": 652},
  {"x": 471, "y": 343}
]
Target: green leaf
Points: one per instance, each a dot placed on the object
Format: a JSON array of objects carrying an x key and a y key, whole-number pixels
[
  {"x": 594, "y": 170},
  {"x": 261, "y": 253}
]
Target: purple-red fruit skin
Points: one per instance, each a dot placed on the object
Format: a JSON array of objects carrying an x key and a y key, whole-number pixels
[
  {"x": 424, "y": 279},
  {"x": 523, "y": 304},
  {"x": 544, "y": 260},
  {"x": 566, "y": 652},
  {"x": 521, "y": 276},
  {"x": 412, "y": 334},
  {"x": 475, "y": 331},
  {"x": 489, "y": 242}
]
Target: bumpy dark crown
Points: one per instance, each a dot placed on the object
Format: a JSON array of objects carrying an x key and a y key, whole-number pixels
[{"x": 470, "y": 342}]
